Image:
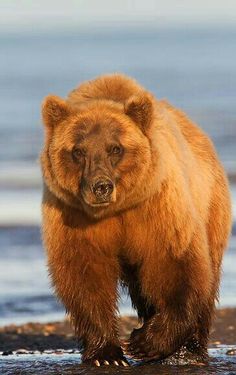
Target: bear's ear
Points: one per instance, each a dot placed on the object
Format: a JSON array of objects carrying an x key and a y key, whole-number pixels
[
  {"x": 140, "y": 109},
  {"x": 54, "y": 110}
]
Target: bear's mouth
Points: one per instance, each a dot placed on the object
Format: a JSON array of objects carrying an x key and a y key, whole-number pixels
[
  {"x": 96, "y": 204},
  {"x": 100, "y": 204}
]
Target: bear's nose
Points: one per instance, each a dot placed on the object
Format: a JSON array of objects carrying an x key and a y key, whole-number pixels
[{"x": 103, "y": 188}]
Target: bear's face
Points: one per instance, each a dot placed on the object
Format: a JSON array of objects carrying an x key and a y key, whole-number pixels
[{"x": 96, "y": 157}]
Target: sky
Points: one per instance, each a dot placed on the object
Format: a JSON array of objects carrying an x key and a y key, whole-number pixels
[{"x": 68, "y": 14}]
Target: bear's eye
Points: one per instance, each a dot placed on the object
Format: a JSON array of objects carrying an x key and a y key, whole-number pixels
[
  {"x": 115, "y": 150},
  {"x": 77, "y": 153}
]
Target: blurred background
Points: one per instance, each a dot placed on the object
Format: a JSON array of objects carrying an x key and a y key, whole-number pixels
[{"x": 179, "y": 49}]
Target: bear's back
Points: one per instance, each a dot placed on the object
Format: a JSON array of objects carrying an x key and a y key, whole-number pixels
[
  {"x": 113, "y": 87},
  {"x": 199, "y": 142}
]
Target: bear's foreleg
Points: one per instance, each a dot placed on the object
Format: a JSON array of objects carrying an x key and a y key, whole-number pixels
[
  {"x": 180, "y": 289},
  {"x": 86, "y": 283}
]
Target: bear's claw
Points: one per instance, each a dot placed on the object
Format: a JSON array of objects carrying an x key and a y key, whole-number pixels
[
  {"x": 121, "y": 362},
  {"x": 141, "y": 346}
]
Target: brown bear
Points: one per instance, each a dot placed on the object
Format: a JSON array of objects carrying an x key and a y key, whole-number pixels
[{"x": 133, "y": 192}]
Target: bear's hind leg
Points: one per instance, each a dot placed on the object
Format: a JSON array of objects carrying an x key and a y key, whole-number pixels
[{"x": 131, "y": 279}]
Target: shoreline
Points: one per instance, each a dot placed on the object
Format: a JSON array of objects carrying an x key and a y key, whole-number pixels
[{"x": 60, "y": 335}]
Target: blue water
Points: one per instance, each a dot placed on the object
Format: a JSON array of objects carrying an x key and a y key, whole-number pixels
[
  {"x": 195, "y": 69},
  {"x": 26, "y": 295}
]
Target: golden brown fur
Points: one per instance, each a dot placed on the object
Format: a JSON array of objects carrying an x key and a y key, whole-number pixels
[{"x": 162, "y": 232}]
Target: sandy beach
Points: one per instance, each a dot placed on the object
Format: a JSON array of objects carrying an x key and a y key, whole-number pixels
[{"x": 59, "y": 335}]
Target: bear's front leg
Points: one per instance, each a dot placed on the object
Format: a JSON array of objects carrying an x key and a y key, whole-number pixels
[
  {"x": 159, "y": 337},
  {"x": 85, "y": 279},
  {"x": 180, "y": 289}
]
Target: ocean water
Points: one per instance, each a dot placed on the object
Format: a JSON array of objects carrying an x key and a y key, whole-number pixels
[
  {"x": 25, "y": 292},
  {"x": 195, "y": 69}
]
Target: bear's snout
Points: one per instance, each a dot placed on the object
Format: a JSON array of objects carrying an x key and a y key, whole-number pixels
[
  {"x": 98, "y": 191},
  {"x": 102, "y": 189}
]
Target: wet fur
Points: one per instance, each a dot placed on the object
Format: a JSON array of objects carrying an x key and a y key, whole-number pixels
[{"x": 164, "y": 237}]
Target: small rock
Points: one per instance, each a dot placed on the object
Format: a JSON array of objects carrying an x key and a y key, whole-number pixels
[
  {"x": 76, "y": 351},
  {"x": 7, "y": 352},
  {"x": 231, "y": 352},
  {"x": 69, "y": 351},
  {"x": 48, "y": 351},
  {"x": 49, "y": 328},
  {"x": 22, "y": 351},
  {"x": 59, "y": 351}
]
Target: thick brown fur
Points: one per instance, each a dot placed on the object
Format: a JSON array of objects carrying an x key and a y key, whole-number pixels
[{"x": 162, "y": 232}]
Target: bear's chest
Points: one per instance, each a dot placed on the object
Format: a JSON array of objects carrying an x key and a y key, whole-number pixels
[{"x": 140, "y": 234}]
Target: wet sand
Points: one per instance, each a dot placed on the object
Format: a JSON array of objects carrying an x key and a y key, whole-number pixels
[
  {"x": 59, "y": 335},
  {"x": 35, "y": 348}
]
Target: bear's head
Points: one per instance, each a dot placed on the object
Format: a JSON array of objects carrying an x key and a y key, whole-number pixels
[{"x": 98, "y": 155}]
